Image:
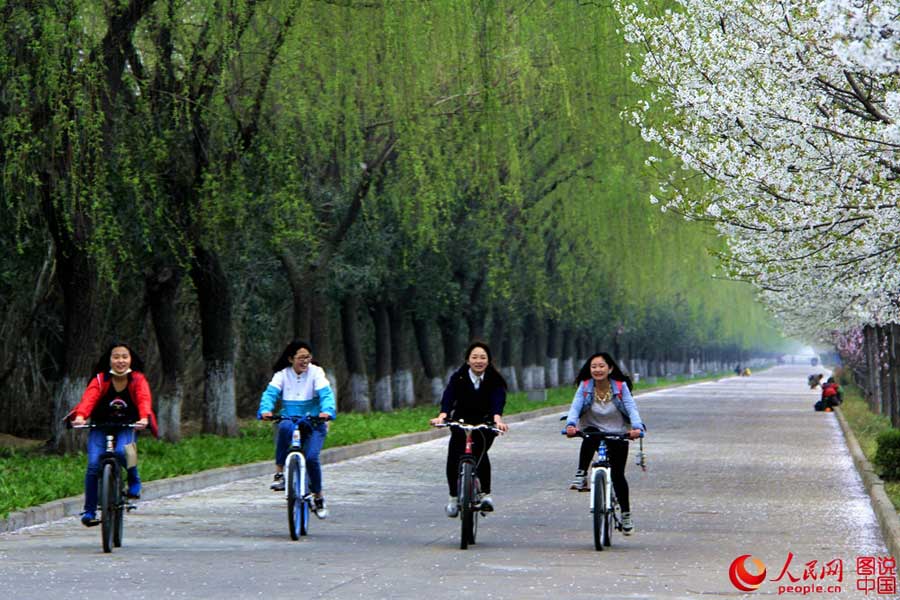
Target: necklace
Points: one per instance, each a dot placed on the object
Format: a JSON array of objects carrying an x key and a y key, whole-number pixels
[{"x": 602, "y": 397}]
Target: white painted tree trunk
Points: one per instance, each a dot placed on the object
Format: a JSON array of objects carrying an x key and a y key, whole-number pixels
[
  {"x": 552, "y": 372},
  {"x": 219, "y": 399},
  {"x": 404, "y": 391},
  {"x": 384, "y": 399},
  {"x": 512, "y": 383},
  {"x": 437, "y": 390},
  {"x": 359, "y": 393}
]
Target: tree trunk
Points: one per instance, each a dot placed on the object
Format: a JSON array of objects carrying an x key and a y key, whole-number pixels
[
  {"x": 401, "y": 359},
  {"x": 79, "y": 282},
  {"x": 217, "y": 328},
  {"x": 554, "y": 350},
  {"x": 383, "y": 395},
  {"x": 513, "y": 368},
  {"x": 569, "y": 370},
  {"x": 356, "y": 365},
  {"x": 320, "y": 335},
  {"x": 300, "y": 283},
  {"x": 895, "y": 374},
  {"x": 453, "y": 348},
  {"x": 162, "y": 288},
  {"x": 429, "y": 362}
]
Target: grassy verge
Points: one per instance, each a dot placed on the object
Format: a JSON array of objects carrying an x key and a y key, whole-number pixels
[
  {"x": 29, "y": 477},
  {"x": 866, "y": 426}
]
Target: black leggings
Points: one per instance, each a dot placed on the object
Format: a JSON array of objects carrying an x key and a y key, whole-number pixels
[
  {"x": 617, "y": 452},
  {"x": 481, "y": 443}
]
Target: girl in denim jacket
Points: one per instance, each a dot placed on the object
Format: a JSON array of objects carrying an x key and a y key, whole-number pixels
[{"x": 603, "y": 402}]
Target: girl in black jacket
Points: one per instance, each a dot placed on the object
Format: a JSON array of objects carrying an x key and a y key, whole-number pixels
[{"x": 476, "y": 393}]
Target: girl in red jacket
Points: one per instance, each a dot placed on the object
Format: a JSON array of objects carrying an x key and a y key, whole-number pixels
[{"x": 117, "y": 393}]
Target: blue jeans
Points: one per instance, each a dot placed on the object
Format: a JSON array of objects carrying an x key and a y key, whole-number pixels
[
  {"x": 310, "y": 444},
  {"x": 96, "y": 445}
]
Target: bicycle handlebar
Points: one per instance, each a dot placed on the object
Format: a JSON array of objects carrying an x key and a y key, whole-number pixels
[
  {"x": 468, "y": 426},
  {"x": 102, "y": 426},
  {"x": 600, "y": 434},
  {"x": 311, "y": 419}
]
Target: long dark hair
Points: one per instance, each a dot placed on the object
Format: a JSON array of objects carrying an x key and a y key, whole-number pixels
[
  {"x": 615, "y": 372},
  {"x": 290, "y": 350},
  {"x": 490, "y": 373},
  {"x": 102, "y": 364}
]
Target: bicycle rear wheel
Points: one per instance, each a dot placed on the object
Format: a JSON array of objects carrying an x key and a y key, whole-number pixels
[
  {"x": 298, "y": 508},
  {"x": 107, "y": 506},
  {"x": 601, "y": 515},
  {"x": 466, "y": 512}
]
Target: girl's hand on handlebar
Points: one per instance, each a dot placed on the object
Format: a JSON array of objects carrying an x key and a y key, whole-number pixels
[
  {"x": 634, "y": 434},
  {"x": 266, "y": 415},
  {"x": 571, "y": 431},
  {"x": 438, "y": 420},
  {"x": 324, "y": 416},
  {"x": 141, "y": 423},
  {"x": 78, "y": 420},
  {"x": 499, "y": 424}
]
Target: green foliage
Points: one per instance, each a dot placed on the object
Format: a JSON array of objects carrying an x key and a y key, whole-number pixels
[{"x": 887, "y": 456}]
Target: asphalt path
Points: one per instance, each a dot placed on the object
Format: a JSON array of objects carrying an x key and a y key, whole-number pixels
[{"x": 740, "y": 466}]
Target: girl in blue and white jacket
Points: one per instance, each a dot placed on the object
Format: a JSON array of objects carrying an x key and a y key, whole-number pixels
[{"x": 303, "y": 390}]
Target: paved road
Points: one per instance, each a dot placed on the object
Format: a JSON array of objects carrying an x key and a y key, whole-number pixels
[{"x": 738, "y": 466}]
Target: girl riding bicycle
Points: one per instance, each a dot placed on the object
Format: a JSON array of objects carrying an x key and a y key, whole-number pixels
[
  {"x": 117, "y": 393},
  {"x": 603, "y": 402},
  {"x": 303, "y": 390},
  {"x": 476, "y": 393}
]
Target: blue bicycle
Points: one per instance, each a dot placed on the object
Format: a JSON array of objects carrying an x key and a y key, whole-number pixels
[{"x": 296, "y": 484}]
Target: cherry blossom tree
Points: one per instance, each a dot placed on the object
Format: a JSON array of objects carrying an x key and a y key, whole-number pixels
[{"x": 789, "y": 111}]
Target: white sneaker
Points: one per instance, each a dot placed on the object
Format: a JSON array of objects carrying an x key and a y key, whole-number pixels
[
  {"x": 579, "y": 482},
  {"x": 627, "y": 524},
  {"x": 485, "y": 504},
  {"x": 452, "y": 507},
  {"x": 319, "y": 507}
]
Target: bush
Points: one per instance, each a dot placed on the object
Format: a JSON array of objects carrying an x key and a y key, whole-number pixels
[{"x": 887, "y": 456}]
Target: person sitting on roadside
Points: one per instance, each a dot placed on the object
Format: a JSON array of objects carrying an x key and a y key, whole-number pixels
[{"x": 831, "y": 393}]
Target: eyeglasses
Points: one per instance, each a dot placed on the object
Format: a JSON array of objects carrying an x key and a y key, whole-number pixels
[{"x": 305, "y": 358}]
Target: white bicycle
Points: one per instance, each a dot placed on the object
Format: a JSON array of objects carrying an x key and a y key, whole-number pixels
[
  {"x": 296, "y": 483},
  {"x": 607, "y": 514}
]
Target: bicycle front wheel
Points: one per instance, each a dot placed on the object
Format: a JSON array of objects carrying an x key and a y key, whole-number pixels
[
  {"x": 108, "y": 505},
  {"x": 601, "y": 515},
  {"x": 466, "y": 499},
  {"x": 119, "y": 522},
  {"x": 298, "y": 508}
]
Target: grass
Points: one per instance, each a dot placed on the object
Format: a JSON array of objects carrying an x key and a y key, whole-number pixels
[
  {"x": 29, "y": 476},
  {"x": 866, "y": 426}
]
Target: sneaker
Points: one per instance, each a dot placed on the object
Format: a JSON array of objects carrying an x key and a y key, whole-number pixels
[
  {"x": 579, "y": 482},
  {"x": 89, "y": 518},
  {"x": 627, "y": 524},
  {"x": 452, "y": 507},
  {"x": 278, "y": 485},
  {"x": 319, "y": 507},
  {"x": 485, "y": 504},
  {"x": 134, "y": 490}
]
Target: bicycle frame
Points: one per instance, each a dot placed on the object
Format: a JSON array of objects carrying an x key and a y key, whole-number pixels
[
  {"x": 299, "y": 498},
  {"x": 468, "y": 491},
  {"x": 112, "y": 509}
]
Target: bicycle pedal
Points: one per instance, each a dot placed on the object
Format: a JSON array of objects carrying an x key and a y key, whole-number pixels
[{"x": 130, "y": 507}]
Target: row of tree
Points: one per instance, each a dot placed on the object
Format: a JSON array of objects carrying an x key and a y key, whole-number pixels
[
  {"x": 386, "y": 179},
  {"x": 789, "y": 110}
]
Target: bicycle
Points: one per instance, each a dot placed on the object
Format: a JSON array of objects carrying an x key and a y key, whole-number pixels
[
  {"x": 468, "y": 486},
  {"x": 112, "y": 487},
  {"x": 607, "y": 514},
  {"x": 296, "y": 484}
]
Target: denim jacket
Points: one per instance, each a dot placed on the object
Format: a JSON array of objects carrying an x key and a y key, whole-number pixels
[{"x": 621, "y": 397}]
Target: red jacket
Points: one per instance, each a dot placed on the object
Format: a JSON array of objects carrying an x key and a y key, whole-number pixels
[
  {"x": 829, "y": 389},
  {"x": 138, "y": 388}
]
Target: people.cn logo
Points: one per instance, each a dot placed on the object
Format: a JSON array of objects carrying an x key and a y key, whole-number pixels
[{"x": 743, "y": 579}]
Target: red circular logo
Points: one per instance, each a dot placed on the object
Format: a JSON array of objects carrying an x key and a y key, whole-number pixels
[{"x": 743, "y": 579}]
